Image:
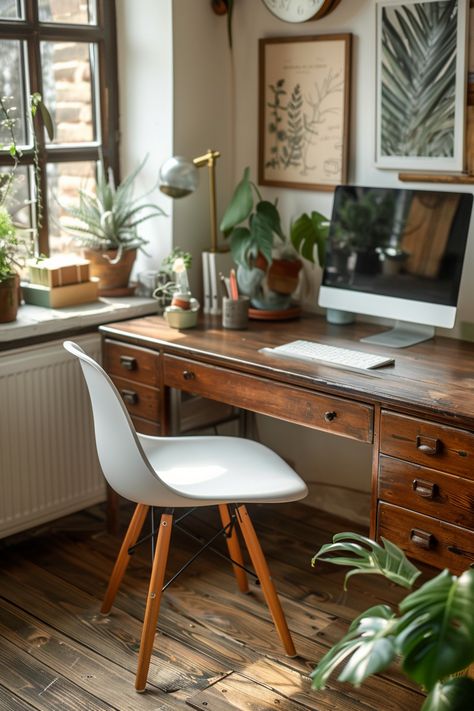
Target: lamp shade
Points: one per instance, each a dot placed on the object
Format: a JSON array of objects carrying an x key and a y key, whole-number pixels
[{"x": 178, "y": 177}]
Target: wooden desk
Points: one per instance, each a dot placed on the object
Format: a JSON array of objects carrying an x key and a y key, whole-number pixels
[{"x": 417, "y": 414}]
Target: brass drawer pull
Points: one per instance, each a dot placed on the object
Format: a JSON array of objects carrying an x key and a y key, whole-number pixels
[
  {"x": 425, "y": 489},
  {"x": 422, "y": 539},
  {"x": 428, "y": 445},
  {"x": 129, "y": 396},
  {"x": 330, "y": 416},
  {"x": 128, "y": 362},
  {"x": 189, "y": 375}
]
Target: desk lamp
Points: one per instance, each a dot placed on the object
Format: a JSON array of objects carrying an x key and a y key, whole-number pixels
[{"x": 179, "y": 177}]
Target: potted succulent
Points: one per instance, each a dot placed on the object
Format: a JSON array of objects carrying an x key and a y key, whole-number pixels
[
  {"x": 106, "y": 222},
  {"x": 183, "y": 310},
  {"x": 261, "y": 249},
  {"x": 432, "y": 637}
]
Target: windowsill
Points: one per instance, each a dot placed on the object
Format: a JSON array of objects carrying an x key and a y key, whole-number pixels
[{"x": 38, "y": 322}]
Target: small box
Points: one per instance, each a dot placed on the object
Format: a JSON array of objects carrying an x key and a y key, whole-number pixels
[
  {"x": 60, "y": 296},
  {"x": 59, "y": 271}
]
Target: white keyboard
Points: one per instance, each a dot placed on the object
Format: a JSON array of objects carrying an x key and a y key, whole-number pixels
[{"x": 331, "y": 355}]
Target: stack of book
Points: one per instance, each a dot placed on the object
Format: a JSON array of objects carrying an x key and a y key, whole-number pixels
[
  {"x": 213, "y": 264},
  {"x": 58, "y": 282}
]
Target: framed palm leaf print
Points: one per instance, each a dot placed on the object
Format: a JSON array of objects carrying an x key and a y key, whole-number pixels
[{"x": 421, "y": 84}]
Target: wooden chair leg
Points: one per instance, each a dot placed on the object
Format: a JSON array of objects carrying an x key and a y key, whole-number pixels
[
  {"x": 235, "y": 553},
  {"x": 266, "y": 582},
  {"x": 123, "y": 558},
  {"x": 154, "y": 599}
]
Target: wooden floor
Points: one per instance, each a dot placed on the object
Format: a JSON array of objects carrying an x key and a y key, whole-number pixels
[{"x": 215, "y": 650}]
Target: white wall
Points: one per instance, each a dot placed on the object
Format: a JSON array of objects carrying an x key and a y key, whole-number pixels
[
  {"x": 207, "y": 114},
  {"x": 145, "y": 46}
]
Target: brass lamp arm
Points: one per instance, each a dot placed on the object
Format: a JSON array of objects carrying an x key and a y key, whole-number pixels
[{"x": 209, "y": 159}]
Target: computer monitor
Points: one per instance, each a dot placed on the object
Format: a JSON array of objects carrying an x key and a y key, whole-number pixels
[{"x": 397, "y": 253}]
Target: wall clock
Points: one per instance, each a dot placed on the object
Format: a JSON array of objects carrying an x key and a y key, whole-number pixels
[{"x": 300, "y": 10}]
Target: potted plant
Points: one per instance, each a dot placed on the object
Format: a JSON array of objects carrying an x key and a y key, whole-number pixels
[
  {"x": 183, "y": 310},
  {"x": 106, "y": 222},
  {"x": 432, "y": 636},
  {"x": 261, "y": 249},
  {"x": 16, "y": 242}
]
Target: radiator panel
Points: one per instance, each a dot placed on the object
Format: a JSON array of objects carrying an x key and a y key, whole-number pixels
[{"x": 48, "y": 461}]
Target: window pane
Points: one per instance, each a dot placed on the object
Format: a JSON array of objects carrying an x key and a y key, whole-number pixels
[
  {"x": 10, "y": 10},
  {"x": 64, "y": 182},
  {"x": 12, "y": 92},
  {"x": 76, "y": 12},
  {"x": 68, "y": 90},
  {"x": 18, "y": 200}
]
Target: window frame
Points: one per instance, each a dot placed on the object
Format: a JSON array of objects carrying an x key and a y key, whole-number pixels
[{"x": 31, "y": 31}]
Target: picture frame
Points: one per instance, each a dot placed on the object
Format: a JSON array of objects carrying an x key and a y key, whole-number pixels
[
  {"x": 421, "y": 113},
  {"x": 304, "y": 111}
]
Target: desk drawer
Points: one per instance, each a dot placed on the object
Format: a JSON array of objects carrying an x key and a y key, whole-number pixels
[
  {"x": 137, "y": 364},
  {"x": 437, "y": 543},
  {"x": 332, "y": 414},
  {"x": 139, "y": 400},
  {"x": 428, "y": 443},
  {"x": 427, "y": 491}
]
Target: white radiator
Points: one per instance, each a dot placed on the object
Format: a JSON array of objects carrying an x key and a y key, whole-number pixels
[{"x": 48, "y": 461}]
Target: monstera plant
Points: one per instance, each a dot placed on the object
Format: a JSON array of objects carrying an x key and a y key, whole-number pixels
[{"x": 432, "y": 636}]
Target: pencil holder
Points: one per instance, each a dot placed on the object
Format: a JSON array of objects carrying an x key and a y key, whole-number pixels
[{"x": 235, "y": 312}]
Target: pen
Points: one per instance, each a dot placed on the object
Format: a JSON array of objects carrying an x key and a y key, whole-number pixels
[
  {"x": 234, "y": 291},
  {"x": 225, "y": 290}
]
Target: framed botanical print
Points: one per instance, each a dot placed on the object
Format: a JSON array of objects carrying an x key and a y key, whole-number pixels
[
  {"x": 421, "y": 84},
  {"x": 304, "y": 92}
]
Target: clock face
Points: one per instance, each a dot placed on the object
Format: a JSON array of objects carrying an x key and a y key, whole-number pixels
[{"x": 300, "y": 10}]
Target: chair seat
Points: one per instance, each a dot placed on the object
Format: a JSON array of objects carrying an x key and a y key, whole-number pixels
[{"x": 222, "y": 469}]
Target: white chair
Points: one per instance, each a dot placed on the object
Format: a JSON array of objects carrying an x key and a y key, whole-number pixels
[{"x": 172, "y": 472}]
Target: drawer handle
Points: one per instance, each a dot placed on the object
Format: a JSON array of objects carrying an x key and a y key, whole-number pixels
[
  {"x": 129, "y": 396},
  {"x": 330, "y": 416},
  {"x": 425, "y": 489},
  {"x": 422, "y": 539},
  {"x": 428, "y": 445},
  {"x": 189, "y": 375},
  {"x": 128, "y": 362},
  {"x": 456, "y": 551}
]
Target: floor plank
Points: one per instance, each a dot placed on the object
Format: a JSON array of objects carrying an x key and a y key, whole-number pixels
[{"x": 215, "y": 648}]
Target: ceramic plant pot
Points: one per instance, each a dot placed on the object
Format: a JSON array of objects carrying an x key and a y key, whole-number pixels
[
  {"x": 282, "y": 275},
  {"x": 112, "y": 277},
  {"x": 9, "y": 298}
]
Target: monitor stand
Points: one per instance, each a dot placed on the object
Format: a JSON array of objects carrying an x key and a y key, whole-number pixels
[{"x": 402, "y": 335}]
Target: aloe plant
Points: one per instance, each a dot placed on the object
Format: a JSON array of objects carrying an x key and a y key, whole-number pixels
[
  {"x": 108, "y": 219},
  {"x": 432, "y": 636},
  {"x": 418, "y": 78}
]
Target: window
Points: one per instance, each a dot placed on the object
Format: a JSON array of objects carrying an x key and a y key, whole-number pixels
[{"x": 66, "y": 51}]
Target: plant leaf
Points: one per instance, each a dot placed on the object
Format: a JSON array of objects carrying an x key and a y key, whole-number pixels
[
  {"x": 453, "y": 695},
  {"x": 367, "y": 556},
  {"x": 240, "y": 205},
  {"x": 436, "y": 632},
  {"x": 369, "y": 643},
  {"x": 269, "y": 214},
  {"x": 309, "y": 232}
]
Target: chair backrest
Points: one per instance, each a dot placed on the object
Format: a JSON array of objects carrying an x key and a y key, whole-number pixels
[{"x": 121, "y": 456}]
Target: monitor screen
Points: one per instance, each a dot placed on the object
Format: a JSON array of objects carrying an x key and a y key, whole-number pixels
[{"x": 402, "y": 244}]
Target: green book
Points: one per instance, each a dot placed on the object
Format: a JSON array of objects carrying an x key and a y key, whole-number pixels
[{"x": 60, "y": 296}]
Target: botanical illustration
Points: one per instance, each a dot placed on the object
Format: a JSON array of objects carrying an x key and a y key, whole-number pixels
[
  {"x": 418, "y": 64},
  {"x": 304, "y": 113}
]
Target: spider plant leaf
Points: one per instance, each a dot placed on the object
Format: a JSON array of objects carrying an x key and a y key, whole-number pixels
[
  {"x": 240, "y": 205},
  {"x": 436, "y": 631},
  {"x": 368, "y": 556},
  {"x": 369, "y": 644},
  {"x": 452, "y": 695}
]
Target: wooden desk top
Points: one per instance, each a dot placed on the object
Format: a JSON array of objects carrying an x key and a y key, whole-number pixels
[{"x": 435, "y": 378}]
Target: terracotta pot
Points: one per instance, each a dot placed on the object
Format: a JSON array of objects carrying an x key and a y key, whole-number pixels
[
  {"x": 111, "y": 276},
  {"x": 9, "y": 301},
  {"x": 282, "y": 276}
]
